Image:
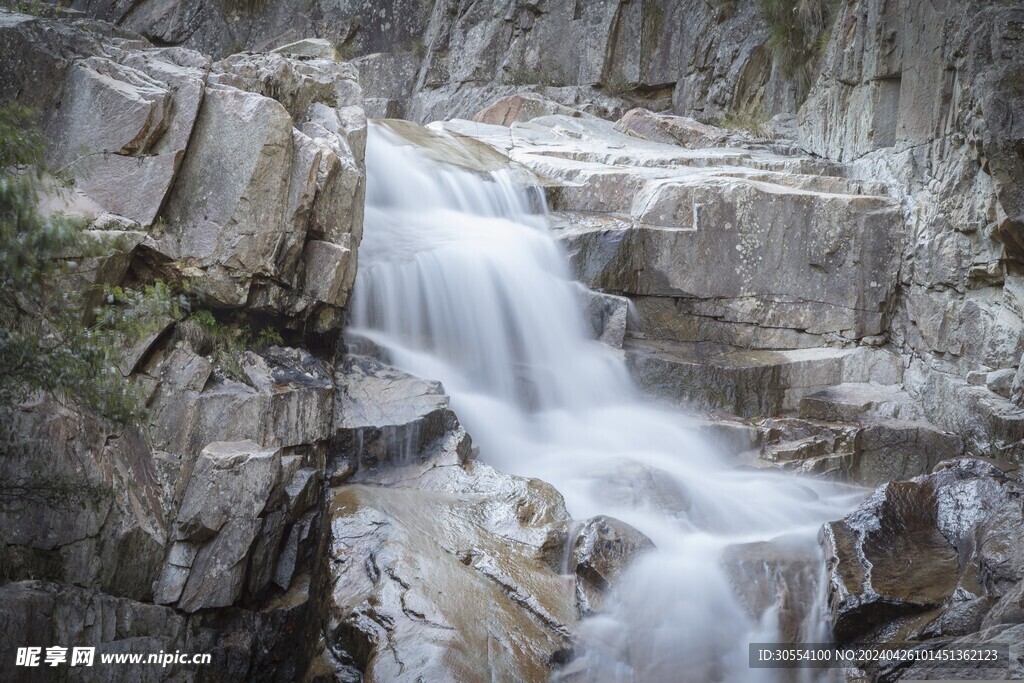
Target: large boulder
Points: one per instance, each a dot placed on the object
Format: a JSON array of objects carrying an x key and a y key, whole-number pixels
[
  {"x": 520, "y": 107},
  {"x": 238, "y": 504},
  {"x": 441, "y": 566},
  {"x": 923, "y": 555},
  {"x": 286, "y": 399},
  {"x": 126, "y": 119}
]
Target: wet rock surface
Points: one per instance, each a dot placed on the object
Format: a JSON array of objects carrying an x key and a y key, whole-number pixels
[
  {"x": 930, "y": 557},
  {"x": 385, "y": 416},
  {"x": 602, "y": 551},
  {"x": 777, "y": 574},
  {"x": 441, "y": 566}
]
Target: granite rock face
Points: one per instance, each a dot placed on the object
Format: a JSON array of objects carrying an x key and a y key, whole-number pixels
[
  {"x": 233, "y": 167},
  {"x": 918, "y": 95},
  {"x": 42, "y": 614},
  {"x": 240, "y": 182},
  {"x": 847, "y": 281},
  {"x": 436, "y": 60}
]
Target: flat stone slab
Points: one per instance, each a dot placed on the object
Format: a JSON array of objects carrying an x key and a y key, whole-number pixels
[
  {"x": 385, "y": 415},
  {"x": 853, "y": 402},
  {"x": 746, "y": 382}
]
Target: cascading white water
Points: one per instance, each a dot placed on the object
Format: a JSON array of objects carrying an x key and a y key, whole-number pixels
[{"x": 460, "y": 281}]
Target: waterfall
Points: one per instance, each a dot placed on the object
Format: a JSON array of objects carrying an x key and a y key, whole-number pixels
[{"x": 460, "y": 280}]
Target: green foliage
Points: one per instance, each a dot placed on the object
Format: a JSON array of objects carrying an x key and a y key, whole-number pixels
[
  {"x": 50, "y": 340},
  {"x": 242, "y": 7},
  {"x": 268, "y": 336},
  {"x": 33, "y": 7},
  {"x": 524, "y": 75},
  {"x": 617, "y": 85},
  {"x": 36, "y": 8},
  {"x": 799, "y": 30},
  {"x": 418, "y": 47},
  {"x": 754, "y": 122},
  {"x": 223, "y": 339},
  {"x": 346, "y": 50},
  {"x": 222, "y": 342}
]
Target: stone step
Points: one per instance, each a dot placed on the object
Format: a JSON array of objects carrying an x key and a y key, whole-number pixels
[
  {"x": 870, "y": 452},
  {"x": 855, "y": 402},
  {"x": 749, "y": 383},
  {"x": 384, "y": 416},
  {"x": 733, "y": 245}
]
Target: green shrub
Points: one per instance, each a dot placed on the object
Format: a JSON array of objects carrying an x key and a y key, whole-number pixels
[
  {"x": 268, "y": 336},
  {"x": 242, "y": 7},
  {"x": 799, "y": 30},
  {"x": 50, "y": 339},
  {"x": 223, "y": 339},
  {"x": 754, "y": 122}
]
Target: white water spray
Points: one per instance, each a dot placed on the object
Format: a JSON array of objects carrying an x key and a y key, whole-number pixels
[{"x": 460, "y": 281}]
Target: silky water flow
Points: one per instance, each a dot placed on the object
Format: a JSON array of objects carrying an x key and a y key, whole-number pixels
[{"x": 461, "y": 281}]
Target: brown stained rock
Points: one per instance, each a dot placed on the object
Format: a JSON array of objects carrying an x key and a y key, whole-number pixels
[
  {"x": 521, "y": 107},
  {"x": 1008, "y": 610},
  {"x": 674, "y": 130},
  {"x": 930, "y": 543}
]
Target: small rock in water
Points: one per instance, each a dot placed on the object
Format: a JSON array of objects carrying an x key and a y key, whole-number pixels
[{"x": 602, "y": 552}]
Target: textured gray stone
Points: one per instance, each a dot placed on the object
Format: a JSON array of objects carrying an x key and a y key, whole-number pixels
[
  {"x": 230, "y": 479},
  {"x": 126, "y": 121},
  {"x": 959, "y": 528},
  {"x": 742, "y": 247},
  {"x": 330, "y": 271},
  {"x": 441, "y": 57},
  {"x": 226, "y": 213},
  {"x": 385, "y": 416},
  {"x": 522, "y": 107},
  {"x": 674, "y": 130},
  {"x": 607, "y": 315},
  {"x": 601, "y": 553},
  {"x": 426, "y": 555}
]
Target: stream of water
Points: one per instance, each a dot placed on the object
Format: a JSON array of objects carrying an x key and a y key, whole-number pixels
[{"x": 461, "y": 281}]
